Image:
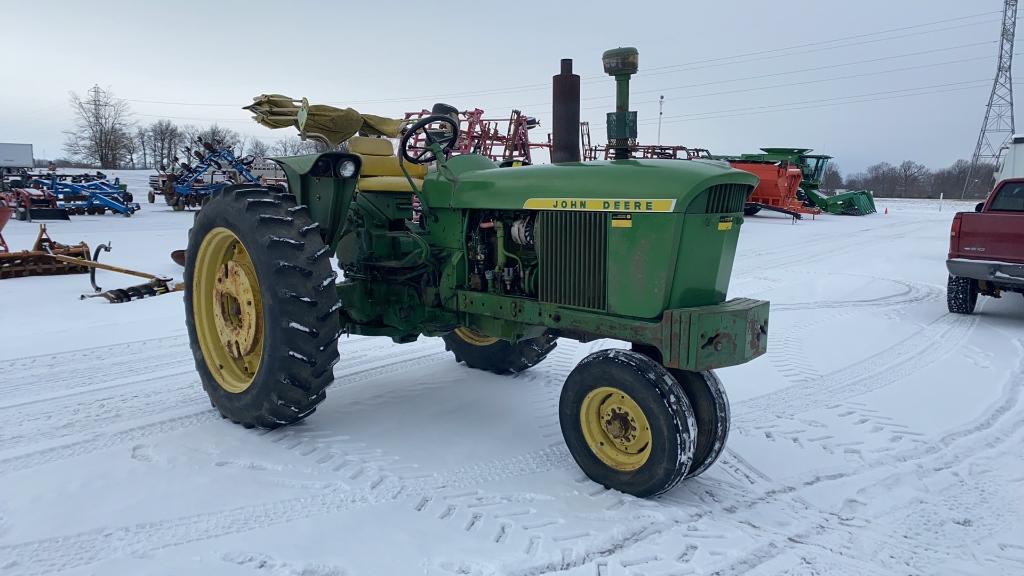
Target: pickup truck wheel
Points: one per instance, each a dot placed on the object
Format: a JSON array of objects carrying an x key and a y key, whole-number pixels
[
  {"x": 711, "y": 412},
  {"x": 260, "y": 307},
  {"x": 961, "y": 295},
  {"x": 496, "y": 355},
  {"x": 627, "y": 422}
]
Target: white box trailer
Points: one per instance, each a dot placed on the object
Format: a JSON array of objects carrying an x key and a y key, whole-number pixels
[
  {"x": 1012, "y": 165},
  {"x": 16, "y": 155}
]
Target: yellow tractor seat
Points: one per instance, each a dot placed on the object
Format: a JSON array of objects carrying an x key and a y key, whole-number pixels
[{"x": 380, "y": 170}]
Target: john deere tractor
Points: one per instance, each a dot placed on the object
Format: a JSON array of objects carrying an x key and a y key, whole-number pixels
[{"x": 499, "y": 263}]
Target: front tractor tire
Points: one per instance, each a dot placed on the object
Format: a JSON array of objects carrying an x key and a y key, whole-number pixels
[
  {"x": 712, "y": 414},
  {"x": 961, "y": 295},
  {"x": 628, "y": 422},
  {"x": 261, "y": 307},
  {"x": 496, "y": 355}
]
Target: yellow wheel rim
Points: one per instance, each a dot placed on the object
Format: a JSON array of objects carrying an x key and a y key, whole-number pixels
[
  {"x": 616, "y": 429},
  {"x": 228, "y": 310},
  {"x": 473, "y": 337}
]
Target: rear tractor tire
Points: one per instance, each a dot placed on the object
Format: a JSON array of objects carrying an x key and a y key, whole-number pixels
[
  {"x": 961, "y": 295},
  {"x": 496, "y": 355},
  {"x": 261, "y": 307},
  {"x": 628, "y": 423}
]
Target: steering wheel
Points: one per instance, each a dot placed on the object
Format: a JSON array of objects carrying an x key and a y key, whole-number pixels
[{"x": 417, "y": 140}]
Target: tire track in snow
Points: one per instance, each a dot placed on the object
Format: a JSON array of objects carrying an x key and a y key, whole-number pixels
[
  {"x": 822, "y": 247},
  {"x": 995, "y": 434},
  {"x": 912, "y": 293},
  {"x": 57, "y": 373},
  {"x": 53, "y": 376},
  {"x": 102, "y": 440},
  {"x": 876, "y": 371},
  {"x": 65, "y": 552}
]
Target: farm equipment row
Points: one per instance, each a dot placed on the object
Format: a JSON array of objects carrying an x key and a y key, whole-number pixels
[
  {"x": 498, "y": 139},
  {"x": 809, "y": 194},
  {"x": 790, "y": 178},
  {"x": 57, "y": 196},
  {"x": 187, "y": 186}
]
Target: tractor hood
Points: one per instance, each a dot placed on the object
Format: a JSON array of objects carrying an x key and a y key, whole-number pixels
[{"x": 604, "y": 186}]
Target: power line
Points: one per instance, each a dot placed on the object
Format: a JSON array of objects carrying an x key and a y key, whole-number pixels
[
  {"x": 826, "y": 105},
  {"x": 814, "y": 81},
  {"x": 654, "y": 71},
  {"x": 815, "y": 68},
  {"x": 836, "y": 98},
  {"x": 713, "y": 61},
  {"x": 805, "y": 104}
]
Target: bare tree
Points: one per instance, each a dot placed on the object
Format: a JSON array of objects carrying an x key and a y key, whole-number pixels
[
  {"x": 131, "y": 148},
  {"x": 165, "y": 139},
  {"x": 142, "y": 141},
  {"x": 909, "y": 175},
  {"x": 257, "y": 148},
  {"x": 880, "y": 178},
  {"x": 293, "y": 146},
  {"x": 832, "y": 180},
  {"x": 102, "y": 127},
  {"x": 220, "y": 136}
]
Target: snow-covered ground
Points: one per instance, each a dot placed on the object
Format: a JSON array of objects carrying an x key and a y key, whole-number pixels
[{"x": 880, "y": 435}]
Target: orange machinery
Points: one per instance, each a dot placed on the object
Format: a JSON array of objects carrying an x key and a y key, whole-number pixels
[{"x": 777, "y": 190}]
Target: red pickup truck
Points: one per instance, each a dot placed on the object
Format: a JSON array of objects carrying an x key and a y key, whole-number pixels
[{"x": 986, "y": 248}]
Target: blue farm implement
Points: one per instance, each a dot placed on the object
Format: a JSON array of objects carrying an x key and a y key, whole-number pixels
[
  {"x": 86, "y": 193},
  {"x": 187, "y": 186}
]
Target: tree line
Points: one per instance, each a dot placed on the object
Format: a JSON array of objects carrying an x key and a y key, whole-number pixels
[
  {"x": 106, "y": 135},
  {"x": 910, "y": 179}
]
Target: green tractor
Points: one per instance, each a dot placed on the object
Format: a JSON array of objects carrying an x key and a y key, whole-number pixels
[
  {"x": 500, "y": 263},
  {"x": 856, "y": 203}
]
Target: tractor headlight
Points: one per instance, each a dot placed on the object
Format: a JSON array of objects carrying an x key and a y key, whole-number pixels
[{"x": 346, "y": 168}]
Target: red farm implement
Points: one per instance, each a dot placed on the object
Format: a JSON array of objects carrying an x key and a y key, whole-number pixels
[
  {"x": 501, "y": 140},
  {"x": 777, "y": 189},
  {"x": 31, "y": 203},
  {"x": 648, "y": 151},
  {"x": 5, "y": 216},
  {"x": 42, "y": 260}
]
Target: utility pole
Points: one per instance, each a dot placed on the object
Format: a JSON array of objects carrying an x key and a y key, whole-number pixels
[
  {"x": 97, "y": 123},
  {"x": 997, "y": 127},
  {"x": 661, "y": 104}
]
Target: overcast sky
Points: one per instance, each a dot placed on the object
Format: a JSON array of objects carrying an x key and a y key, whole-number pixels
[{"x": 735, "y": 75}]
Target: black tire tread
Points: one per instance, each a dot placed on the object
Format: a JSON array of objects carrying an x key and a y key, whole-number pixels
[
  {"x": 653, "y": 477},
  {"x": 501, "y": 357},
  {"x": 712, "y": 414},
  {"x": 296, "y": 371},
  {"x": 961, "y": 295}
]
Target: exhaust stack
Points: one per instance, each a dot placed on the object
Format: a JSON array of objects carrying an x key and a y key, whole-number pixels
[{"x": 565, "y": 115}]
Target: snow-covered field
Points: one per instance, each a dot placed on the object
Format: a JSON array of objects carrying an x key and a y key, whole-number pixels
[{"x": 880, "y": 435}]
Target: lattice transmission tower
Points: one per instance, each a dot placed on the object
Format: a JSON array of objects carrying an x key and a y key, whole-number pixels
[{"x": 997, "y": 128}]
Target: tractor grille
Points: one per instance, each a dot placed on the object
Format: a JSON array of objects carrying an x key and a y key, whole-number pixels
[
  {"x": 723, "y": 198},
  {"x": 573, "y": 252}
]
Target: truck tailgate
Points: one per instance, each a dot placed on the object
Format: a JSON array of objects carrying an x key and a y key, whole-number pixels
[{"x": 992, "y": 236}]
